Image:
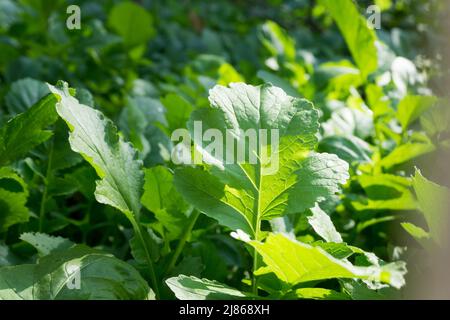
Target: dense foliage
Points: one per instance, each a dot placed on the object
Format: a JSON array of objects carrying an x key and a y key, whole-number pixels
[{"x": 90, "y": 191}]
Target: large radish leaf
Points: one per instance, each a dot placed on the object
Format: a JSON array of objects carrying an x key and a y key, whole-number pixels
[
  {"x": 75, "y": 273},
  {"x": 96, "y": 139},
  {"x": 289, "y": 178},
  {"x": 115, "y": 161},
  {"x": 295, "y": 262}
]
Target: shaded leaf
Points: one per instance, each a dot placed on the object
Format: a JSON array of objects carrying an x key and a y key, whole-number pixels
[{"x": 192, "y": 288}]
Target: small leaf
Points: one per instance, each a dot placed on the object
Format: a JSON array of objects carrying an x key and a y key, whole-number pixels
[
  {"x": 46, "y": 244},
  {"x": 27, "y": 130},
  {"x": 418, "y": 145},
  {"x": 277, "y": 41},
  {"x": 192, "y": 288},
  {"x": 434, "y": 203},
  {"x": 323, "y": 226},
  {"x": 24, "y": 93},
  {"x": 349, "y": 148},
  {"x": 415, "y": 231},
  {"x": 13, "y": 198},
  {"x": 269, "y": 77},
  {"x": 411, "y": 107},
  {"x": 178, "y": 111},
  {"x": 385, "y": 192},
  {"x": 161, "y": 197},
  {"x": 132, "y": 22}
]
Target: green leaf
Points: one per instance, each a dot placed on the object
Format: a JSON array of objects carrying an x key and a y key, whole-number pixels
[
  {"x": 350, "y": 148},
  {"x": 161, "y": 197},
  {"x": 295, "y": 262},
  {"x": 139, "y": 252},
  {"x": 359, "y": 290},
  {"x": 62, "y": 156},
  {"x": 178, "y": 111},
  {"x": 323, "y": 226},
  {"x": 417, "y": 146},
  {"x": 132, "y": 22},
  {"x": 241, "y": 194},
  {"x": 13, "y": 198},
  {"x": 415, "y": 231},
  {"x": 24, "y": 93},
  {"x": 115, "y": 161},
  {"x": 359, "y": 37},
  {"x": 437, "y": 119},
  {"x": 338, "y": 250},
  {"x": 10, "y": 12},
  {"x": 349, "y": 122},
  {"x": 46, "y": 244},
  {"x": 27, "y": 130},
  {"x": 55, "y": 277},
  {"x": 411, "y": 108},
  {"x": 434, "y": 203},
  {"x": 278, "y": 82},
  {"x": 135, "y": 119},
  {"x": 277, "y": 41},
  {"x": 368, "y": 223},
  {"x": 192, "y": 288},
  {"x": 385, "y": 192}
]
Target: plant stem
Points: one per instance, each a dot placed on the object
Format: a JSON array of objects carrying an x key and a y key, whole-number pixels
[
  {"x": 45, "y": 192},
  {"x": 256, "y": 259},
  {"x": 182, "y": 242},
  {"x": 257, "y": 226},
  {"x": 138, "y": 231}
]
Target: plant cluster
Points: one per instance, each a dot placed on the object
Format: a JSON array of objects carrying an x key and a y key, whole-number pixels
[{"x": 92, "y": 205}]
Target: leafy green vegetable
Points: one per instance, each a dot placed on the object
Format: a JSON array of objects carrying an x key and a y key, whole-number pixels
[
  {"x": 240, "y": 195},
  {"x": 313, "y": 185}
]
